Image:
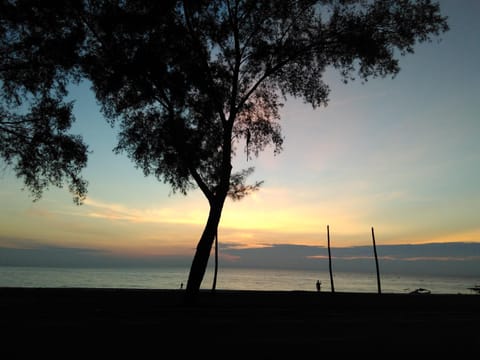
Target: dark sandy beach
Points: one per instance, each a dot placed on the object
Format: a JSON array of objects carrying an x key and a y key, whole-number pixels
[{"x": 234, "y": 324}]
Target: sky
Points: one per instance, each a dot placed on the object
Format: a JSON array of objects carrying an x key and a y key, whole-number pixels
[{"x": 401, "y": 155}]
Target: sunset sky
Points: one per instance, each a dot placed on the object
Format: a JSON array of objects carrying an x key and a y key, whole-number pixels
[{"x": 401, "y": 155}]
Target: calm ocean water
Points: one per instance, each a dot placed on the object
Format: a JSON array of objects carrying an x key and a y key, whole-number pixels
[{"x": 228, "y": 279}]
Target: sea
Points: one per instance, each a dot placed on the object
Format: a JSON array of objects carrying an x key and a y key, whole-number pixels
[{"x": 230, "y": 279}]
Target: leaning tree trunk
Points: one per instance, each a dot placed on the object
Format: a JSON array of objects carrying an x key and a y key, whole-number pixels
[{"x": 202, "y": 254}]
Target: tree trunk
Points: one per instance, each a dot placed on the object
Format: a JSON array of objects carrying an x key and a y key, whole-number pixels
[{"x": 202, "y": 254}]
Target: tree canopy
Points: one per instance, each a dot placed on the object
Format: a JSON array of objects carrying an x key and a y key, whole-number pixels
[
  {"x": 37, "y": 55},
  {"x": 192, "y": 82}
]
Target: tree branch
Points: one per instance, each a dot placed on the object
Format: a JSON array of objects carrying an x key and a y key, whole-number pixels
[
  {"x": 236, "y": 71},
  {"x": 211, "y": 84}
]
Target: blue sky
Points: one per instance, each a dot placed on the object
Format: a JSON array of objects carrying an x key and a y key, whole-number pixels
[{"x": 401, "y": 155}]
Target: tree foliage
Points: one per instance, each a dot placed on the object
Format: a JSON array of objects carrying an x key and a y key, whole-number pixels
[
  {"x": 38, "y": 51},
  {"x": 192, "y": 82}
]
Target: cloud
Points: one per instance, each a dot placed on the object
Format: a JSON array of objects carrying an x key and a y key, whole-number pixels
[
  {"x": 452, "y": 259},
  {"x": 171, "y": 215},
  {"x": 58, "y": 256},
  {"x": 436, "y": 258}
]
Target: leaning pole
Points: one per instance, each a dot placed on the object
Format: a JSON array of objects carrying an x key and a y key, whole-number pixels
[
  {"x": 376, "y": 262},
  {"x": 214, "y": 285},
  {"x": 330, "y": 260}
]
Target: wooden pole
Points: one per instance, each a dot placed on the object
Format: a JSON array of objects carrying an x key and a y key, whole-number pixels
[
  {"x": 330, "y": 259},
  {"x": 376, "y": 262},
  {"x": 214, "y": 285}
]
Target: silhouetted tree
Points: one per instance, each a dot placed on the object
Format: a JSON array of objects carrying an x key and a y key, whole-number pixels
[
  {"x": 37, "y": 52},
  {"x": 192, "y": 82}
]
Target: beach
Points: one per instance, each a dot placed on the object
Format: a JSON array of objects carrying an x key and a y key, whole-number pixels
[{"x": 235, "y": 324}]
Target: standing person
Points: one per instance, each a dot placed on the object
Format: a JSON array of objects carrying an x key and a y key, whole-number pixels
[{"x": 318, "y": 285}]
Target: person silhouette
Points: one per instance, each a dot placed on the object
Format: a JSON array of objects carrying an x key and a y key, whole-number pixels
[{"x": 318, "y": 285}]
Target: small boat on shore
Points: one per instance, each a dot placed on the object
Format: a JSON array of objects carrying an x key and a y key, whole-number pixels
[
  {"x": 475, "y": 288},
  {"x": 420, "y": 291}
]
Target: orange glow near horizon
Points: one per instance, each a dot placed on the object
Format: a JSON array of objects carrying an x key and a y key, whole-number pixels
[{"x": 271, "y": 216}]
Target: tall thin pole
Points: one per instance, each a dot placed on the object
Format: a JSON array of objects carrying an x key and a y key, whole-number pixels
[
  {"x": 376, "y": 262},
  {"x": 214, "y": 285},
  {"x": 330, "y": 259}
]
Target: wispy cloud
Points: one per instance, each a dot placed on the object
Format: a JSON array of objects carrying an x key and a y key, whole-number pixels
[
  {"x": 120, "y": 212},
  {"x": 438, "y": 258}
]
